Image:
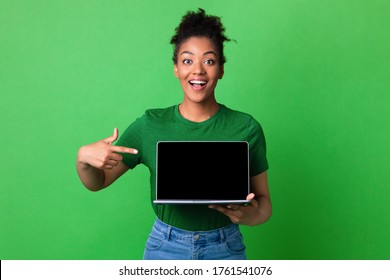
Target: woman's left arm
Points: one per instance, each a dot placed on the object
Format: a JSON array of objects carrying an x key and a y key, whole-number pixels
[{"x": 257, "y": 211}]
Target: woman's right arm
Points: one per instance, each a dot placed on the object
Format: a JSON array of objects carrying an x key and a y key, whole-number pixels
[{"x": 99, "y": 164}]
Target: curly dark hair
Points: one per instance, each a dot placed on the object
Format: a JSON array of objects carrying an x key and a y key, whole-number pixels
[{"x": 198, "y": 24}]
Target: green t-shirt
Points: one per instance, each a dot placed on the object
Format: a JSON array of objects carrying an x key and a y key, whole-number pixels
[{"x": 168, "y": 125}]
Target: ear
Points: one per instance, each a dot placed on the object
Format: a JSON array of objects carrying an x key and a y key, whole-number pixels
[
  {"x": 221, "y": 72},
  {"x": 175, "y": 71}
]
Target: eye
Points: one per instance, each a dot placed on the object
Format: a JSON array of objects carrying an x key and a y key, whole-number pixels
[
  {"x": 209, "y": 62},
  {"x": 187, "y": 61}
]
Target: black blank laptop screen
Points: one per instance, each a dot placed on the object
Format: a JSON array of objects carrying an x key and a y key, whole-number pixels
[{"x": 202, "y": 170}]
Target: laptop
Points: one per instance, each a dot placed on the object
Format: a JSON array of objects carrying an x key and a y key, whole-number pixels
[{"x": 202, "y": 172}]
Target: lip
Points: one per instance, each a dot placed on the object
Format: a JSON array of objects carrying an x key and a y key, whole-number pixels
[{"x": 197, "y": 84}]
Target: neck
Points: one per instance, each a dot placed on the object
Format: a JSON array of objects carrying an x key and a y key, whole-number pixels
[{"x": 198, "y": 112}]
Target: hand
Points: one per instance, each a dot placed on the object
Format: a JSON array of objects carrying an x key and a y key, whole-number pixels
[
  {"x": 102, "y": 154},
  {"x": 241, "y": 214}
]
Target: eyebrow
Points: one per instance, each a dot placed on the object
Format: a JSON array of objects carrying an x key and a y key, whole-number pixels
[{"x": 206, "y": 53}]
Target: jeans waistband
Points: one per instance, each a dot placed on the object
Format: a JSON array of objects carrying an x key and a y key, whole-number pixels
[{"x": 173, "y": 233}]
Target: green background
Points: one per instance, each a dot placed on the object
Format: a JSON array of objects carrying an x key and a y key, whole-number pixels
[{"x": 314, "y": 73}]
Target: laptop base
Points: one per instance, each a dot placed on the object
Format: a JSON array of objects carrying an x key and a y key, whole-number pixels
[{"x": 168, "y": 201}]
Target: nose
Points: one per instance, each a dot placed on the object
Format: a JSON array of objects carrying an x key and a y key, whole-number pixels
[{"x": 198, "y": 68}]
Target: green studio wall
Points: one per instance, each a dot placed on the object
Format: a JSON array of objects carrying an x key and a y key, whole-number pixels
[{"x": 314, "y": 73}]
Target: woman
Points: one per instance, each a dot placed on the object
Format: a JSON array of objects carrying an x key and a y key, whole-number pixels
[{"x": 188, "y": 231}]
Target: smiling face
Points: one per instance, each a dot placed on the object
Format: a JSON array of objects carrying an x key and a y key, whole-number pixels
[{"x": 198, "y": 69}]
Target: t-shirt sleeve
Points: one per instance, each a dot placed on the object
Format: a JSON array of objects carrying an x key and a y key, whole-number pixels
[
  {"x": 257, "y": 145},
  {"x": 132, "y": 138}
]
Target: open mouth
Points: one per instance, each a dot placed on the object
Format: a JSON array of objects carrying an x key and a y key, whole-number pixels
[{"x": 197, "y": 84}]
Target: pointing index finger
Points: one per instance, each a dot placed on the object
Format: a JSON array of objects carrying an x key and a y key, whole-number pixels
[{"x": 121, "y": 149}]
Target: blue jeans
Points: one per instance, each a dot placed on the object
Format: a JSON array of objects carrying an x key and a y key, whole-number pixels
[{"x": 169, "y": 243}]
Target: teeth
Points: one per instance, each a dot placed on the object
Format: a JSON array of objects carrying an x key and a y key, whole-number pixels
[{"x": 198, "y": 82}]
